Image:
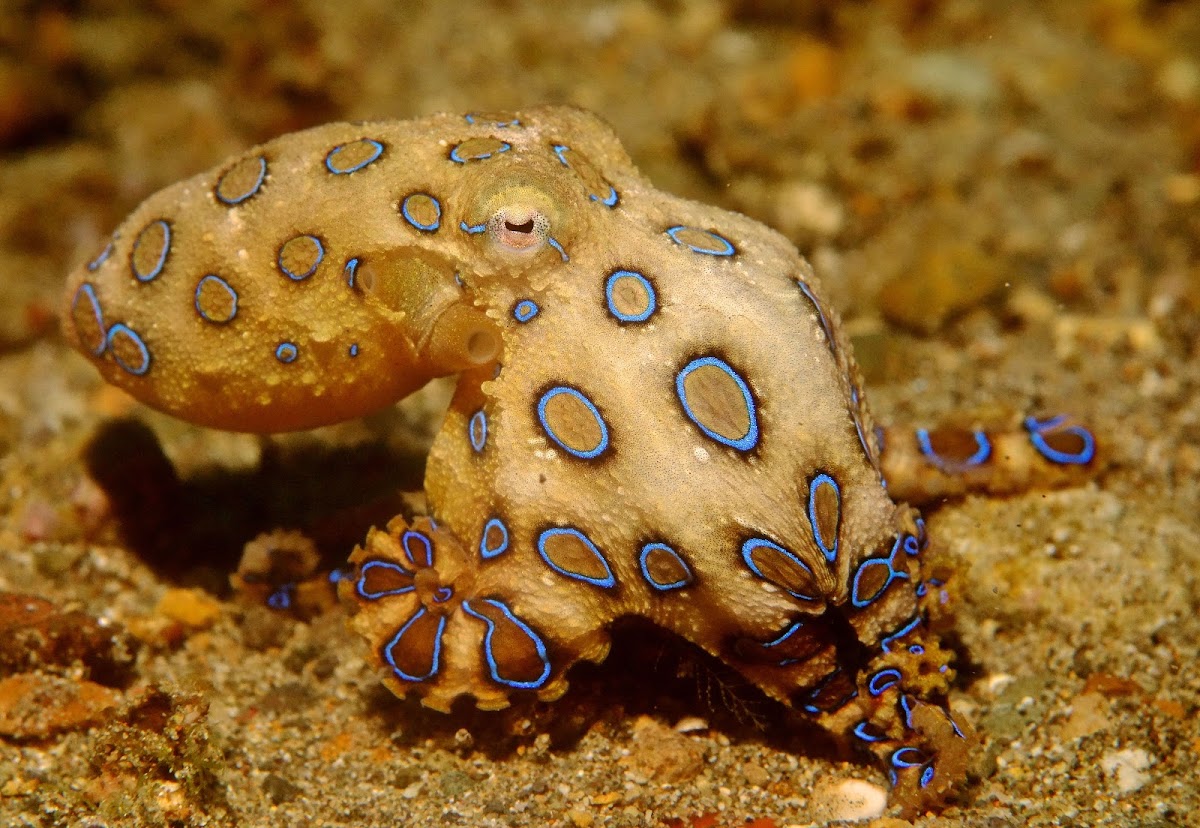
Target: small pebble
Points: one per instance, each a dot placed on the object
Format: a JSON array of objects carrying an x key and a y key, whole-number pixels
[
  {"x": 1127, "y": 769},
  {"x": 850, "y": 800},
  {"x": 193, "y": 608}
]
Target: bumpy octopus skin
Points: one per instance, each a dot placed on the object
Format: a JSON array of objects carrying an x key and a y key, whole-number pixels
[{"x": 657, "y": 414}]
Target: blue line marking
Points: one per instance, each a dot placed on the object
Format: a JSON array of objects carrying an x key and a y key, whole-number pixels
[
  {"x": 887, "y": 642},
  {"x": 600, "y": 446},
  {"x": 472, "y": 228},
  {"x": 487, "y": 552},
  {"x": 751, "y": 545},
  {"x": 609, "y": 200},
  {"x": 554, "y": 243},
  {"x": 89, "y": 293},
  {"x": 748, "y": 440},
  {"x": 377, "y": 150},
  {"x": 299, "y": 277},
  {"x": 121, "y": 329},
  {"x": 983, "y": 451},
  {"x": 828, "y": 550},
  {"x": 262, "y": 175},
  {"x": 422, "y": 559},
  {"x": 561, "y": 151},
  {"x": 721, "y": 245},
  {"x": 351, "y": 271},
  {"x": 812, "y": 297},
  {"x": 360, "y": 586},
  {"x": 436, "y": 656},
  {"x": 662, "y": 548},
  {"x": 470, "y": 118},
  {"x": 651, "y": 297},
  {"x": 477, "y": 429},
  {"x": 287, "y": 352},
  {"x": 458, "y": 159},
  {"x": 881, "y": 681},
  {"x": 860, "y": 601},
  {"x": 489, "y": 656},
  {"x": 212, "y": 278},
  {"x": 607, "y": 581},
  {"x": 862, "y": 731},
  {"x": 95, "y": 263},
  {"x": 162, "y": 254},
  {"x": 525, "y": 310},
  {"x": 427, "y": 228},
  {"x": 1037, "y": 430}
]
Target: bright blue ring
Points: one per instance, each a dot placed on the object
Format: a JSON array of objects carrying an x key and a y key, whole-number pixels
[
  {"x": 860, "y": 730},
  {"x": 830, "y": 552},
  {"x": 886, "y": 642},
  {"x": 609, "y": 200},
  {"x": 607, "y": 582},
  {"x": 1037, "y": 428},
  {"x": 229, "y": 289},
  {"x": 300, "y": 277},
  {"x": 427, "y": 228},
  {"x": 122, "y": 328},
  {"x": 744, "y": 443},
  {"x": 428, "y": 544},
  {"x": 807, "y": 291},
  {"x": 899, "y": 760},
  {"x": 477, "y": 424},
  {"x": 287, "y": 352},
  {"x": 595, "y": 412},
  {"x": 982, "y": 452},
  {"x": 90, "y": 292},
  {"x": 353, "y": 350},
  {"x": 484, "y": 551},
  {"x": 473, "y": 229},
  {"x": 525, "y": 310},
  {"x": 162, "y": 254},
  {"x": 456, "y": 158},
  {"x": 881, "y": 681},
  {"x": 748, "y": 556},
  {"x": 661, "y": 587},
  {"x": 435, "y": 662},
  {"x": 95, "y": 263},
  {"x": 494, "y": 668},
  {"x": 336, "y": 150},
  {"x": 728, "y": 249},
  {"x": 262, "y": 174},
  {"x": 651, "y": 303},
  {"x": 360, "y": 586}
]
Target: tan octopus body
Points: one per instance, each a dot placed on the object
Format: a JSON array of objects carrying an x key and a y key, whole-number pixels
[{"x": 657, "y": 415}]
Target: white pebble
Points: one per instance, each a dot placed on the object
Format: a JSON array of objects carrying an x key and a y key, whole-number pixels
[
  {"x": 851, "y": 800},
  {"x": 1127, "y": 768}
]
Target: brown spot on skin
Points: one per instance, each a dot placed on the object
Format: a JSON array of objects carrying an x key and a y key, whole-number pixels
[{"x": 717, "y": 402}]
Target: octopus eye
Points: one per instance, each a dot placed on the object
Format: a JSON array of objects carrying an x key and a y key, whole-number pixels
[{"x": 519, "y": 229}]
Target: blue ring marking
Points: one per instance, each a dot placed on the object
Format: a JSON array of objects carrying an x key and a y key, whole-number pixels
[
  {"x": 262, "y": 175},
  {"x": 807, "y": 291},
  {"x": 95, "y": 263},
  {"x": 912, "y": 546},
  {"x": 473, "y": 229},
  {"x": 661, "y": 587},
  {"x": 726, "y": 250},
  {"x": 887, "y": 642},
  {"x": 162, "y": 254},
  {"x": 901, "y": 759},
  {"x": 435, "y": 662},
  {"x": 353, "y": 349},
  {"x": 862, "y": 731},
  {"x": 893, "y": 575},
  {"x": 493, "y": 668},
  {"x": 228, "y": 288},
  {"x": 525, "y": 310},
  {"x": 591, "y": 407},
  {"x": 560, "y": 150},
  {"x": 608, "y": 582},
  {"x": 554, "y": 243},
  {"x": 1037, "y": 428},
  {"x": 376, "y": 145},
  {"x": 751, "y": 544},
  {"x": 651, "y": 297},
  {"x": 927, "y": 776},
  {"x": 456, "y": 158},
  {"x": 442, "y": 594},
  {"x": 609, "y": 200},
  {"x": 122, "y": 328},
  {"x": 360, "y": 586},
  {"x": 477, "y": 428},
  {"x": 982, "y": 452},
  {"x": 906, "y": 706},
  {"x": 747, "y": 441},
  {"x": 487, "y": 552},
  {"x": 816, "y": 691},
  {"x": 830, "y": 552},
  {"x": 351, "y": 271},
  {"x": 90, "y": 293},
  {"x": 300, "y": 277},
  {"x": 470, "y": 119},
  {"x": 287, "y": 352},
  {"x": 426, "y": 553},
  {"x": 787, "y": 633},
  {"x": 283, "y": 597},
  {"x": 427, "y": 228},
  {"x": 881, "y": 681}
]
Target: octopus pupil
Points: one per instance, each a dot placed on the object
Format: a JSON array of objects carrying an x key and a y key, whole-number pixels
[{"x": 527, "y": 227}]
